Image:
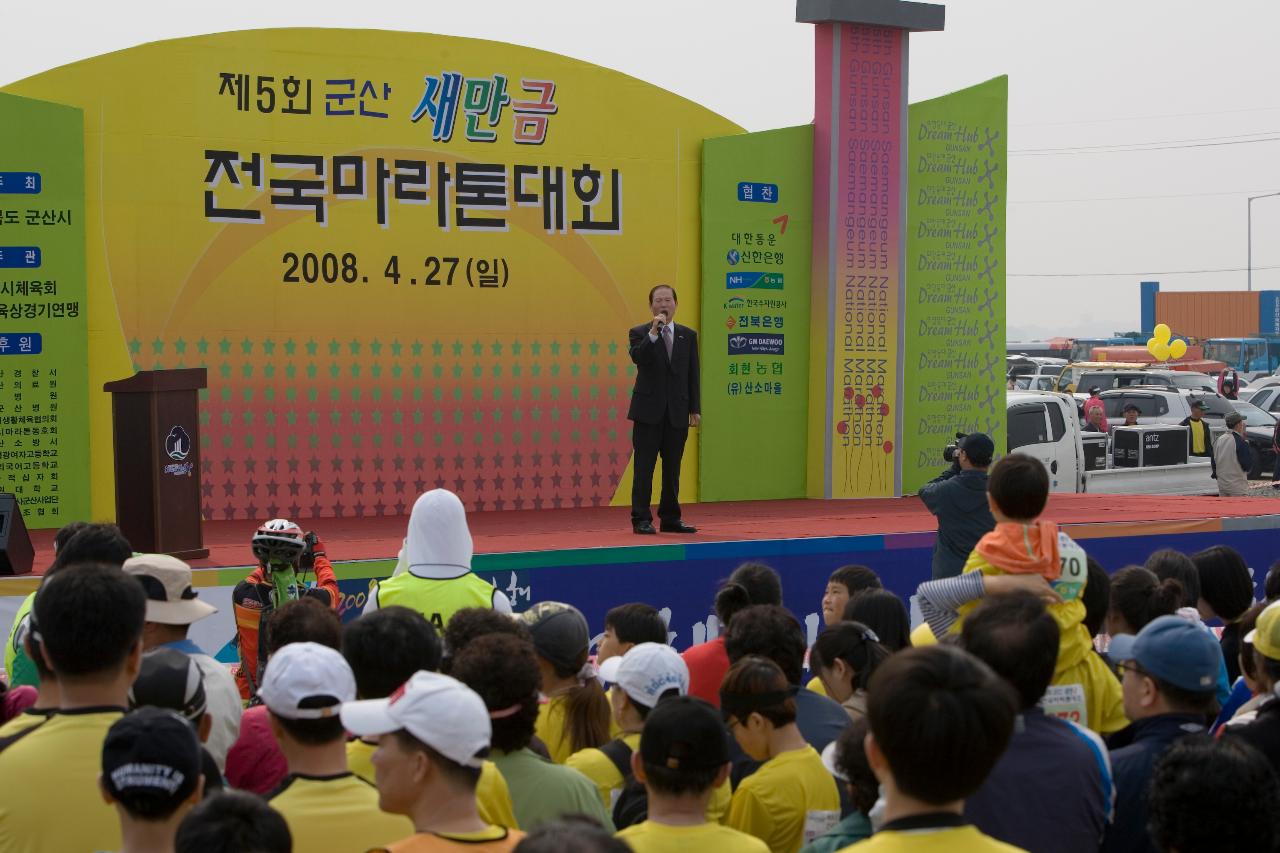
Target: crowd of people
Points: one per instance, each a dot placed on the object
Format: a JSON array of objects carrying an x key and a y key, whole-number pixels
[{"x": 1042, "y": 704}]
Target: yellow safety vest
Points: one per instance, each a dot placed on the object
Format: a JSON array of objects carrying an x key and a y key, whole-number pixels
[{"x": 435, "y": 599}]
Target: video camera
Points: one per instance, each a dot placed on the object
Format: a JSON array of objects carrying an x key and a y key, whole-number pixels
[{"x": 949, "y": 452}]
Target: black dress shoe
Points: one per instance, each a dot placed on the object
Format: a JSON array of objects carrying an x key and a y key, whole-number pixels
[
  {"x": 677, "y": 527},
  {"x": 643, "y": 527}
]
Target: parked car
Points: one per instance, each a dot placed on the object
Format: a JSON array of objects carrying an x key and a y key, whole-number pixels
[
  {"x": 1165, "y": 405},
  {"x": 1266, "y": 397},
  {"x": 1035, "y": 373},
  {"x": 1260, "y": 430}
]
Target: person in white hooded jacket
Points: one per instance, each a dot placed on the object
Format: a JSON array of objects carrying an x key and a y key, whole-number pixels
[{"x": 433, "y": 575}]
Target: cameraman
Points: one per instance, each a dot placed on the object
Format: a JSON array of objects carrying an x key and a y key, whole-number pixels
[
  {"x": 959, "y": 499},
  {"x": 284, "y": 556}
]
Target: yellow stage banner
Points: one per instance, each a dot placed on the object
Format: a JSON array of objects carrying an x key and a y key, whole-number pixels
[{"x": 406, "y": 260}]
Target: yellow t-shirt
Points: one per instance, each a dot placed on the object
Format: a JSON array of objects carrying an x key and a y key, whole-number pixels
[
  {"x": 788, "y": 802},
  {"x": 49, "y": 797},
  {"x": 550, "y": 728},
  {"x": 962, "y": 839},
  {"x": 603, "y": 773},
  {"x": 26, "y": 720},
  {"x": 651, "y": 837},
  {"x": 494, "y": 839},
  {"x": 1199, "y": 436},
  {"x": 815, "y": 684},
  {"x": 493, "y": 800},
  {"x": 333, "y": 814}
]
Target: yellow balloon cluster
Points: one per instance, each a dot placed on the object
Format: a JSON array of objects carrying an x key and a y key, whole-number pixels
[{"x": 1164, "y": 349}]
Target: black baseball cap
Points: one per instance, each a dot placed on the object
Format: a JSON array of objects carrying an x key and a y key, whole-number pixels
[
  {"x": 170, "y": 679},
  {"x": 979, "y": 447},
  {"x": 151, "y": 762},
  {"x": 1132, "y": 407},
  {"x": 1199, "y": 404},
  {"x": 684, "y": 733}
]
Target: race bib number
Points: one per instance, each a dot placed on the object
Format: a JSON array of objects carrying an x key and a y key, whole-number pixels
[
  {"x": 819, "y": 823},
  {"x": 1066, "y": 702},
  {"x": 1074, "y": 569}
]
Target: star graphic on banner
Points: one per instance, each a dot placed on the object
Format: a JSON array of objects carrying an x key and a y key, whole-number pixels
[
  {"x": 398, "y": 462},
  {"x": 375, "y": 347},
  {"x": 315, "y": 488},
  {"x": 479, "y": 481},
  {"x": 498, "y": 481},
  {"x": 597, "y": 500},
  {"x": 294, "y": 510},
  {"x": 575, "y": 457},
  {"x": 537, "y": 503},
  {"x": 419, "y": 463},
  {"x": 517, "y": 482},
  {"x": 536, "y": 461},
  {"x": 519, "y": 502},
  {"x": 315, "y": 464},
  {"x": 294, "y": 486},
  {"x": 595, "y": 480},
  {"x": 206, "y": 490},
  {"x": 478, "y": 459},
  {"x": 401, "y": 506},
  {"x": 293, "y": 465},
  {"x": 272, "y": 464},
  {"x": 396, "y": 346},
  {"x": 229, "y": 512},
  {"x": 517, "y": 459},
  {"x": 339, "y": 511},
  {"x": 251, "y": 511},
  {"x": 458, "y": 484},
  {"x": 378, "y": 485},
  {"x": 379, "y": 508},
  {"x": 272, "y": 488},
  {"x": 269, "y": 347},
  {"x": 202, "y": 346},
  {"x": 399, "y": 484},
  {"x": 555, "y": 481},
  {"x": 358, "y": 507},
  {"x": 420, "y": 486},
  {"x": 377, "y": 461},
  {"x": 536, "y": 481},
  {"x": 206, "y": 512},
  {"x": 613, "y": 458},
  {"x": 358, "y": 485},
  {"x": 337, "y": 485},
  {"x": 206, "y": 466},
  {"x": 555, "y": 457},
  {"x": 250, "y": 465},
  {"x": 357, "y": 463},
  {"x": 228, "y": 489},
  {"x": 438, "y": 461},
  {"x": 228, "y": 465},
  {"x": 416, "y": 349},
  {"x": 577, "y": 501},
  {"x": 556, "y": 502},
  {"x": 336, "y": 463},
  {"x": 576, "y": 479},
  {"x": 439, "y": 484}
]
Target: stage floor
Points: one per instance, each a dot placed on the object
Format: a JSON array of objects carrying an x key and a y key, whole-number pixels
[{"x": 376, "y": 538}]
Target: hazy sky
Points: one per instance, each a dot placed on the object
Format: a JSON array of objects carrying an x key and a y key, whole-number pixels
[{"x": 1197, "y": 78}]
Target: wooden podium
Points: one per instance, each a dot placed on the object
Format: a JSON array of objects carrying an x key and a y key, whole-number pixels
[{"x": 156, "y": 414}]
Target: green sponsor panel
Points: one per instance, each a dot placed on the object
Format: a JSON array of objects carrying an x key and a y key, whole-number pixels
[
  {"x": 955, "y": 321},
  {"x": 757, "y": 227},
  {"x": 44, "y": 355}
]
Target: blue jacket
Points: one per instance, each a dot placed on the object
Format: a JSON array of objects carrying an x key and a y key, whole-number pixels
[
  {"x": 1135, "y": 751},
  {"x": 1052, "y": 790},
  {"x": 959, "y": 500}
]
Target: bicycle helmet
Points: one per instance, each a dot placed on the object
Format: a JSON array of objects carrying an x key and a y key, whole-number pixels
[{"x": 279, "y": 541}]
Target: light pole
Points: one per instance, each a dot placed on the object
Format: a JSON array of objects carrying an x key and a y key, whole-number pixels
[{"x": 1249, "y": 227}]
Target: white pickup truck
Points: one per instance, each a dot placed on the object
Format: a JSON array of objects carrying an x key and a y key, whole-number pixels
[{"x": 1045, "y": 425}]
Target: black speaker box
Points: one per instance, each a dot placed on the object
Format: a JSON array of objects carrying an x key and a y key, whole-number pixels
[{"x": 16, "y": 552}]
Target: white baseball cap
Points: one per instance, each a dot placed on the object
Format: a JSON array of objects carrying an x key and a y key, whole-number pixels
[
  {"x": 647, "y": 671},
  {"x": 307, "y": 681},
  {"x": 440, "y": 711},
  {"x": 170, "y": 597}
]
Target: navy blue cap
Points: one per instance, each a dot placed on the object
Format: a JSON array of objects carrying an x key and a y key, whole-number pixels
[
  {"x": 1175, "y": 650},
  {"x": 979, "y": 447}
]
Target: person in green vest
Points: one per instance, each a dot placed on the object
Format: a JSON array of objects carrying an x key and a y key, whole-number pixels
[
  {"x": 77, "y": 542},
  {"x": 437, "y": 580}
]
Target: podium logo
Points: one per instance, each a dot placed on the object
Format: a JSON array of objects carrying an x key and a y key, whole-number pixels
[{"x": 177, "y": 444}]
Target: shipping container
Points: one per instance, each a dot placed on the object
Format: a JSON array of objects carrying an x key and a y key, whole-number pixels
[{"x": 1209, "y": 313}]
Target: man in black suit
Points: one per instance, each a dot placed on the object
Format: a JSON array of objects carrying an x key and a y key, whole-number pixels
[{"x": 664, "y": 403}]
